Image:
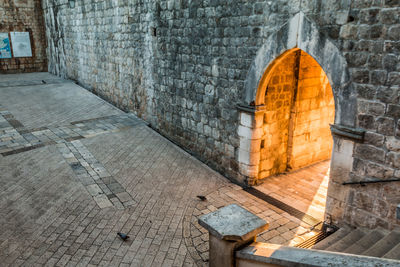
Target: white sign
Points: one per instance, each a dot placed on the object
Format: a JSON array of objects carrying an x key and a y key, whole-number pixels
[{"x": 21, "y": 44}]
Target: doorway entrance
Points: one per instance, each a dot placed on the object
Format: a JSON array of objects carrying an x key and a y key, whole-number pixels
[
  {"x": 299, "y": 108},
  {"x": 287, "y": 106}
]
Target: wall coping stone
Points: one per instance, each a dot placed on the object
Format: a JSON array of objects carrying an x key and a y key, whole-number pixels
[
  {"x": 252, "y": 109},
  {"x": 233, "y": 223},
  {"x": 278, "y": 255},
  {"x": 355, "y": 134}
]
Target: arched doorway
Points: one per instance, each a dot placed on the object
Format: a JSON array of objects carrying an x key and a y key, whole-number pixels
[
  {"x": 299, "y": 34},
  {"x": 299, "y": 107}
]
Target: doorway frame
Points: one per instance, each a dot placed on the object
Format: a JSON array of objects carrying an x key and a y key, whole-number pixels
[{"x": 299, "y": 33}]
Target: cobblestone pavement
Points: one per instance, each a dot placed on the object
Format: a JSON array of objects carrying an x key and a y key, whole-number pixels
[{"x": 75, "y": 171}]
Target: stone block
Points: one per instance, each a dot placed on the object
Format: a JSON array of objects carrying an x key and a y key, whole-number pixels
[
  {"x": 94, "y": 189},
  {"x": 393, "y": 111},
  {"x": 249, "y": 158},
  {"x": 394, "y": 32},
  {"x": 379, "y": 171},
  {"x": 366, "y": 91},
  {"x": 394, "y": 78},
  {"x": 348, "y": 31},
  {"x": 375, "y": 108},
  {"x": 388, "y": 16},
  {"x": 248, "y": 170},
  {"x": 381, "y": 208},
  {"x": 258, "y": 120},
  {"x": 378, "y": 77},
  {"x": 360, "y": 75},
  {"x": 393, "y": 159},
  {"x": 374, "y": 139},
  {"x": 250, "y": 145},
  {"x": 249, "y": 133},
  {"x": 385, "y": 125},
  {"x": 233, "y": 223},
  {"x": 392, "y": 143},
  {"x": 389, "y": 62},
  {"x": 366, "y": 121},
  {"x": 246, "y": 119},
  {"x": 342, "y": 159},
  {"x": 388, "y": 94},
  {"x": 102, "y": 201},
  {"x": 266, "y": 165},
  {"x": 370, "y": 153}
]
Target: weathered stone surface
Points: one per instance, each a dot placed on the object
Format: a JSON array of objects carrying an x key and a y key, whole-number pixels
[
  {"x": 233, "y": 223},
  {"x": 374, "y": 139},
  {"x": 24, "y": 16},
  {"x": 393, "y": 159},
  {"x": 393, "y": 144},
  {"x": 275, "y": 255},
  {"x": 370, "y": 153}
]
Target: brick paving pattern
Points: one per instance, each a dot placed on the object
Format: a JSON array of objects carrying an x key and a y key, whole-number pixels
[
  {"x": 284, "y": 229},
  {"x": 304, "y": 189},
  {"x": 19, "y": 139},
  {"x": 104, "y": 189},
  {"x": 61, "y": 204}
]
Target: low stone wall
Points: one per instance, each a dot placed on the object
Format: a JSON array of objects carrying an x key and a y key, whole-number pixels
[
  {"x": 232, "y": 230},
  {"x": 272, "y": 255}
]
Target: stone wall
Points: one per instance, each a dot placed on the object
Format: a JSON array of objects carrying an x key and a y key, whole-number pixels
[
  {"x": 24, "y": 16},
  {"x": 185, "y": 65},
  {"x": 371, "y": 46},
  {"x": 278, "y": 103},
  {"x": 314, "y": 110}
]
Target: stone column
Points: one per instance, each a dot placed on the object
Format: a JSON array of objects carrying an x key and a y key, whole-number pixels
[
  {"x": 230, "y": 228},
  {"x": 344, "y": 138},
  {"x": 250, "y": 132}
]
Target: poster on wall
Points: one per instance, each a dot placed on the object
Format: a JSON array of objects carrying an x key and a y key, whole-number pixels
[
  {"x": 5, "y": 50},
  {"x": 21, "y": 44}
]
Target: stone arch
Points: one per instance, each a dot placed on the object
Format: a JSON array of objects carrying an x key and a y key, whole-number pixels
[
  {"x": 299, "y": 107},
  {"x": 301, "y": 33}
]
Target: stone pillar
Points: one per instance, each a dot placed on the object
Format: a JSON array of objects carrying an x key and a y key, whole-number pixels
[
  {"x": 341, "y": 167},
  {"x": 230, "y": 228},
  {"x": 250, "y": 132}
]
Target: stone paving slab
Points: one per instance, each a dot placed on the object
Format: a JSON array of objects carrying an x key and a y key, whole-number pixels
[{"x": 62, "y": 204}]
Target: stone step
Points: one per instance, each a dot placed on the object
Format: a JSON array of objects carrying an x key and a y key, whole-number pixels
[
  {"x": 333, "y": 238},
  {"x": 384, "y": 245},
  {"x": 366, "y": 242},
  {"x": 346, "y": 241},
  {"x": 394, "y": 253}
]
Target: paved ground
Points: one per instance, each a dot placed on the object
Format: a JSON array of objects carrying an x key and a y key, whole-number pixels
[
  {"x": 304, "y": 189},
  {"x": 75, "y": 171}
]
